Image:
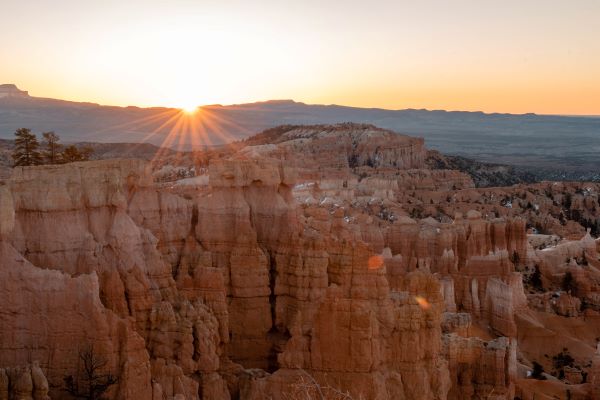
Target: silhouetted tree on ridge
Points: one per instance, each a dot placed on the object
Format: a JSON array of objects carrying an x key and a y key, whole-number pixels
[
  {"x": 26, "y": 148},
  {"x": 52, "y": 153},
  {"x": 26, "y": 151},
  {"x": 72, "y": 153}
]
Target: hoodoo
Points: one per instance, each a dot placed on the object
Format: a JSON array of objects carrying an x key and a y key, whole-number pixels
[{"x": 306, "y": 259}]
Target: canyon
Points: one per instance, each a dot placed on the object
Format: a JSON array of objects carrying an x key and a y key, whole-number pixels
[{"x": 308, "y": 261}]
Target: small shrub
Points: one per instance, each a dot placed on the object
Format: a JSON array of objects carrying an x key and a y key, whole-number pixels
[
  {"x": 538, "y": 372},
  {"x": 535, "y": 279},
  {"x": 562, "y": 359},
  {"x": 568, "y": 284}
]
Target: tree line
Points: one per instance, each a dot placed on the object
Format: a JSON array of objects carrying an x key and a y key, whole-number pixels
[{"x": 27, "y": 150}]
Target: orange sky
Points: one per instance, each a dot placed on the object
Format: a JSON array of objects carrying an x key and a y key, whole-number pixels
[{"x": 509, "y": 56}]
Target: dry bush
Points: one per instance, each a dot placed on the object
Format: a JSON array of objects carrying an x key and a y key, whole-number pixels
[{"x": 307, "y": 388}]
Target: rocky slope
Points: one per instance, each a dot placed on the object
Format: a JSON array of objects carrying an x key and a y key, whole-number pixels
[
  {"x": 320, "y": 258},
  {"x": 483, "y": 174}
]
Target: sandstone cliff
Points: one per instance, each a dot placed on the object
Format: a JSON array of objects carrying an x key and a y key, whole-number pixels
[{"x": 291, "y": 262}]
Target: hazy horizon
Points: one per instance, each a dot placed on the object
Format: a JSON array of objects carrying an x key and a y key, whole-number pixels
[
  {"x": 301, "y": 102},
  {"x": 509, "y": 57}
]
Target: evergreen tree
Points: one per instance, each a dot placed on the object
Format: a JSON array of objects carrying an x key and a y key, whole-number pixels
[
  {"x": 86, "y": 153},
  {"x": 72, "y": 153},
  {"x": 26, "y": 148},
  {"x": 52, "y": 153}
]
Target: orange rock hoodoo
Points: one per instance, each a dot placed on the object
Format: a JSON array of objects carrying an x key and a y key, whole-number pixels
[{"x": 312, "y": 252}]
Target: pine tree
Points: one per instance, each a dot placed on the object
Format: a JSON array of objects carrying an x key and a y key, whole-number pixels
[
  {"x": 72, "y": 153},
  {"x": 26, "y": 148},
  {"x": 52, "y": 153},
  {"x": 86, "y": 153}
]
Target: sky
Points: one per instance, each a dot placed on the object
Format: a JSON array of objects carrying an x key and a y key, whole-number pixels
[{"x": 495, "y": 56}]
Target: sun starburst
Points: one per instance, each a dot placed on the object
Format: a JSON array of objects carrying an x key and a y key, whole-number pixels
[{"x": 189, "y": 109}]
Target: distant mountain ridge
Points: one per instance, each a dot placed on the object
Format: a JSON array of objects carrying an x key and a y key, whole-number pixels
[{"x": 568, "y": 145}]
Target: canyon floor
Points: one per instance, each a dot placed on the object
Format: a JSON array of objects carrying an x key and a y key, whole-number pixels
[{"x": 306, "y": 262}]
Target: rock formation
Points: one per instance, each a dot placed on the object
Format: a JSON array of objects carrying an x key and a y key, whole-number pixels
[
  {"x": 327, "y": 255},
  {"x": 23, "y": 382}
]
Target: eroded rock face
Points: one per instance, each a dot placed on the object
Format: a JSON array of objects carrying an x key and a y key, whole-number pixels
[
  {"x": 595, "y": 374},
  {"x": 481, "y": 369},
  {"x": 105, "y": 283},
  {"x": 23, "y": 382},
  {"x": 369, "y": 344},
  {"x": 313, "y": 255},
  {"x": 338, "y": 146},
  {"x": 263, "y": 297}
]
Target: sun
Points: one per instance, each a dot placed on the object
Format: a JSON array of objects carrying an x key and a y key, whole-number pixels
[{"x": 189, "y": 109}]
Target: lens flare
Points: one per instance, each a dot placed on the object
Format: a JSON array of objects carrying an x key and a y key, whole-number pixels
[
  {"x": 422, "y": 302},
  {"x": 375, "y": 262}
]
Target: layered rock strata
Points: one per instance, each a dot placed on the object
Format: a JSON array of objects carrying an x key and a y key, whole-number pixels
[{"x": 325, "y": 255}]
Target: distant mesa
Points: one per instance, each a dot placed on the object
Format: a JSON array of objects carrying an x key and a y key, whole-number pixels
[{"x": 11, "y": 90}]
